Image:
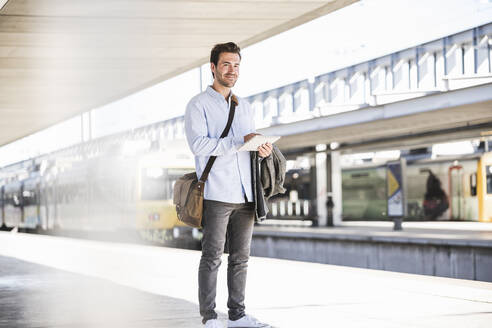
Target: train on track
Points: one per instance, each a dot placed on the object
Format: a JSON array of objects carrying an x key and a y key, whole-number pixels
[
  {"x": 463, "y": 185},
  {"x": 96, "y": 187},
  {"x": 465, "y": 182},
  {"x": 83, "y": 191}
]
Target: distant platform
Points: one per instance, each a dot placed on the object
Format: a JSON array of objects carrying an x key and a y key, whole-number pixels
[
  {"x": 59, "y": 282},
  {"x": 460, "y": 250},
  {"x": 435, "y": 232}
]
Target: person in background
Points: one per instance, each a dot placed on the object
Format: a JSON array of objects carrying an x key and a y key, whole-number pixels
[{"x": 435, "y": 199}]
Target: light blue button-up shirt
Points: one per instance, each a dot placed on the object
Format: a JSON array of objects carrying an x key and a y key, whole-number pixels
[{"x": 205, "y": 119}]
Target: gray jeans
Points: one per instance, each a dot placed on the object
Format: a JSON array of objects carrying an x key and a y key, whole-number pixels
[{"x": 237, "y": 220}]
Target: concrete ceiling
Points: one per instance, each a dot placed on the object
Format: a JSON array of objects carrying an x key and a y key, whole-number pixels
[{"x": 60, "y": 58}]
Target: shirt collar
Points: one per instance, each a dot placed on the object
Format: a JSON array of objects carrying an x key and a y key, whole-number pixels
[{"x": 217, "y": 95}]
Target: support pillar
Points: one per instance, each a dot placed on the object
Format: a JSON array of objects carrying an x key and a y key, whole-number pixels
[
  {"x": 336, "y": 186},
  {"x": 321, "y": 184}
]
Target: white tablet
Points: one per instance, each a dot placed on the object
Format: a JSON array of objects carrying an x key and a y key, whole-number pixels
[{"x": 257, "y": 141}]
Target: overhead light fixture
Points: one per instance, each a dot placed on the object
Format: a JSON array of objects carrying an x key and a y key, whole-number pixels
[
  {"x": 453, "y": 148},
  {"x": 3, "y": 3}
]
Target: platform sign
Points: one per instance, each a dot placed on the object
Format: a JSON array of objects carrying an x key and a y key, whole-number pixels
[{"x": 395, "y": 188}]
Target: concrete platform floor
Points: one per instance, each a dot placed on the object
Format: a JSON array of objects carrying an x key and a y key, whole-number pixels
[{"x": 79, "y": 283}]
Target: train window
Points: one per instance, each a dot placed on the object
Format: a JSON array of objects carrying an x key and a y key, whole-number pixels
[
  {"x": 360, "y": 175},
  {"x": 488, "y": 175},
  {"x": 15, "y": 200},
  {"x": 154, "y": 184},
  {"x": 30, "y": 197},
  {"x": 473, "y": 184}
]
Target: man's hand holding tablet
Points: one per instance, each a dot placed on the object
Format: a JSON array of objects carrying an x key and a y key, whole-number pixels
[
  {"x": 258, "y": 142},
  {"x": 265, "y": 150}
]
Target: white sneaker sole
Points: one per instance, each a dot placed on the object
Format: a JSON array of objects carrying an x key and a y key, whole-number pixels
[{"x": 265, "y": 326}]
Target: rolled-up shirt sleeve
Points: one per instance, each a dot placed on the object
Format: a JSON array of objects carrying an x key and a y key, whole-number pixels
[{"x": 197, "y": 135}]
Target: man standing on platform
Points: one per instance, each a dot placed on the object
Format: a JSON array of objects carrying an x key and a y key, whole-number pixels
[{"x": 228, "y": 200}]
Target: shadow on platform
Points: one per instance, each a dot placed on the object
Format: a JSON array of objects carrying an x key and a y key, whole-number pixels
[{"x": 33, "y": 295}]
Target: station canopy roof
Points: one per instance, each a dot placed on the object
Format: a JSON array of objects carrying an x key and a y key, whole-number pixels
[{"x": 60, "y": 58}]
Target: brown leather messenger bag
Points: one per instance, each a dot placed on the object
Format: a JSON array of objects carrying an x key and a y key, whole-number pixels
[{"x": 188, "y": 190}]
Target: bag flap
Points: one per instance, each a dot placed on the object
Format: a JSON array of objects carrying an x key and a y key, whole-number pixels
[{"x": 182, "y": 187}]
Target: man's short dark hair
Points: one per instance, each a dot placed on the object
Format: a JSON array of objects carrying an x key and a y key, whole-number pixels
[{"x": 223, "y": 47}]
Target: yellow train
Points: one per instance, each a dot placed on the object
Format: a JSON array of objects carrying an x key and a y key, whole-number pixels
[
  {"x": 484, "y": 188},
  {"x": 155, "y": 212},
  {"x": 111, "y": 194}
]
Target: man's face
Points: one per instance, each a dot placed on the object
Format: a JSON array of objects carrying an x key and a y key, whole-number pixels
[{"x": 227, "y": 69}]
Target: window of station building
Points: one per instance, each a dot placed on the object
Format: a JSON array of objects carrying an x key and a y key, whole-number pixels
[
  {"x": 454, "y": 57},
  {"x": 286, "y": 105},
  {"x": 301, "y": 101},
  {"x": 425, "y": 69},
  {"x": 488, "y": 172},
  {"x": 320, "y": 94},
  {"x": 257, "y": 106},
  {"x": 378, "y": 75},
  {"x": 356, "y": 84},
  {"x": 270, "y": 108},
  {"x": 401, "y": 73},
  {"x": 337, "y": 91}
]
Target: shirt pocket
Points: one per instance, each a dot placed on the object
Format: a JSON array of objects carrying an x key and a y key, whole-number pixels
[
  {"x": 242, "y": 124},
  {"x": 216, "y": 122}
]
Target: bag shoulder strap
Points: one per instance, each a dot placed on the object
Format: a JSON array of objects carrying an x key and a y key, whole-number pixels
[{"x": 211, "y": 160}]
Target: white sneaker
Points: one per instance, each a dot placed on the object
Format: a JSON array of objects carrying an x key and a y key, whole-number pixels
[
  {"x": 213, "y": 323},
  {"x": 247, "y": 322}
]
